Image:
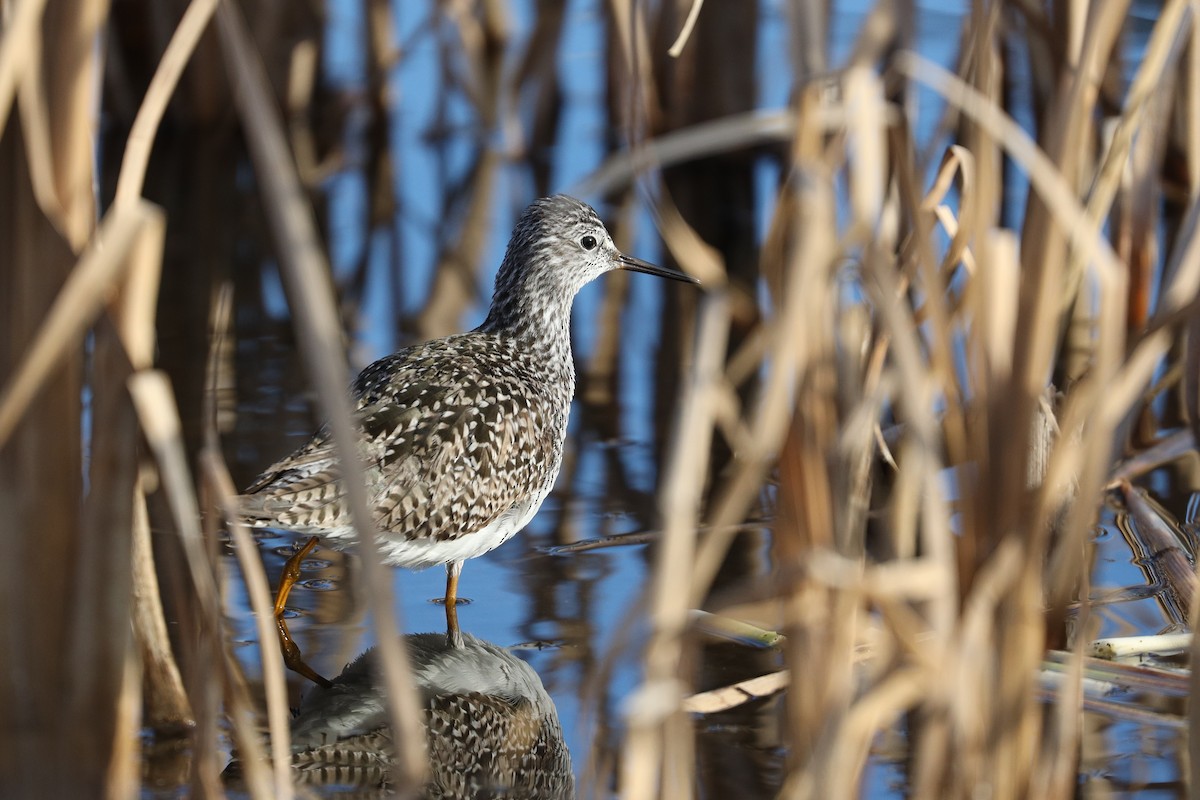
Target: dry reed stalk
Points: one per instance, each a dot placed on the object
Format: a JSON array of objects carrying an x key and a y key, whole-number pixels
[
  {"x": 307, "y": 277},
  {"x": 36, "y": 126},
  {"x": 74, "y": 708},
  {"x": 1191, "y": 114},
  {"x": 166, "y": 703},
  {"x": 215, "y": 473},
  {"x": 1068, "y": 459},
  {"x": 302, "y": 80},
  {"x": 809, "y": 28},
  {"x": 694, "y": 88},
  {"x": 94, "y": 279},
  {"x": 1025, "y": 521},
  {"x": 535, "y": 77},
  {"x": 638, "y": 92},
  {"x": 723, "y": 135},
  {"x": 1069, "y": 456},
  {"x": 992, "y": 573},
  {"x": 1067, "y": 130},
  {"x": 17, "y": 51},
  {"x": 162, "y": 87},
  {"x": 1129, "y": 177},
  {"x": 125, "y": 347},
  {"x": 101, "y": 642},
  {"x": 472, "y": 70},
  {"x": 128, "y": 252},
  {"x": 159, "y": 418},
  {"x": 60, "y": 99},
  {"x": 650, "y": 755},
  {"x": 812, "y": 478},
  {"x": 832, "y": 726},
  {"x": 256, "y": 773},
  {"x": 1170, "y": 448},
  {"x": 917, "y": 513},
  {"x": 482, "y": 30},
  {"x": 71, "y": 728},
  {"x": 736, "y": 694},
  {"x": 685, "y": 32}
]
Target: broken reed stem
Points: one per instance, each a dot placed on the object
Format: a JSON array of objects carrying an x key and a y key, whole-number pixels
[
  {"x": 1162, "y": 552},
  {"x": 306, "y": 275},
  {"x": 166, "y": 699}
]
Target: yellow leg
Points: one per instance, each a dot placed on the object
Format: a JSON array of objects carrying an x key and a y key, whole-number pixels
[
  {"x": 291, "y": 651},
  {"x": 453, "y": 634}
]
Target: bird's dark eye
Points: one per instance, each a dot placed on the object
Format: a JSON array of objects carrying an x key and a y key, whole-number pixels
[{"x": 588, "y": 242}]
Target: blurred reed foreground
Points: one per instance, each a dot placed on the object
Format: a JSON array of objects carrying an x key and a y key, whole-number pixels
[{"x": 947, "y": 325}]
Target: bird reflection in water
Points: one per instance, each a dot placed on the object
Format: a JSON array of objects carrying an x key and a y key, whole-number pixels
[{"x": 491, "y": 729}]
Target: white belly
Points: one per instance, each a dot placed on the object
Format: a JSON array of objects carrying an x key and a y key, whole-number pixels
[{"x": 424, "y": 553}]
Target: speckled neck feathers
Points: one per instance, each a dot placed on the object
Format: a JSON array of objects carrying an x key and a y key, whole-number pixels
[{"x": 541, "y": 274}]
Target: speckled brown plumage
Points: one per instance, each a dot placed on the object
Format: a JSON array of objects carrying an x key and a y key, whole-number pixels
[
  {"x": 455, "y": 433},
  {"x": 461, "y": 437}
]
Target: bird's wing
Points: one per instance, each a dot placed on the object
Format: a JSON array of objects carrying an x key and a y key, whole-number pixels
[
  {"x": 467, "y": 458},
  {"x": 300, "y": 491},
  {"x": 304, "y": 489},
  {"x": 449, "y": 445},
  {"x": 310, "y": 460}
]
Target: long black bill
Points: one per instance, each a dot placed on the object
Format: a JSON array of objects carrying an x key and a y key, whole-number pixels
[{"x": 637, "y": 265}]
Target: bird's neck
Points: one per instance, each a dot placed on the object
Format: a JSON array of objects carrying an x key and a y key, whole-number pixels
[
  {"x": 540, "y": 331},
  {"x": 540, "y": 328},
  {"x": 532, "y": 305},
  {"x": 538, "y": 311}
]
